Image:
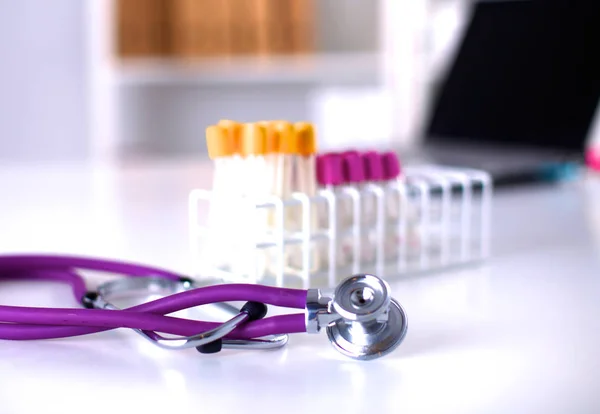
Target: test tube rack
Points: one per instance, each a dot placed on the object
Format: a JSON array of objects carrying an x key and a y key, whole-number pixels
[{"x": 440, "y": 218}]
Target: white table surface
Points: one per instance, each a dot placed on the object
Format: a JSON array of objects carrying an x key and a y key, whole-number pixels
[{"x": 518, "y": 335}]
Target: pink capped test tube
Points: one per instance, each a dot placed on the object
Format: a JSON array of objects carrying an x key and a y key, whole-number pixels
[
  {"x": 395, "y": 231},
  {"x": 351, "y": 207},
  {"x": 330, "y": 177}
]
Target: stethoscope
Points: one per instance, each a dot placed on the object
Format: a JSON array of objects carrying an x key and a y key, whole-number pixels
[{"x": 360, "y": 317}]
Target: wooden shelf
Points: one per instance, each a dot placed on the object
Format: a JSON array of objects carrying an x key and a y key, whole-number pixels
[{"x": 345, "y": 68}]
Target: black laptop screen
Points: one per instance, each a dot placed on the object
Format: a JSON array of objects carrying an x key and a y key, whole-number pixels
[{"x": 527, "y": 72}]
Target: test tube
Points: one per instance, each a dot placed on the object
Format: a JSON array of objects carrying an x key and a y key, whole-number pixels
[
  {"x": 373, "y": 167},
  {"x": 233, "y": 132},
  {"x": 253, "y": 151},
  {"x": 273, "y": 165},
  {"x": 391, "y": 173},
  {"x": 330, "y": 173},
  {"x": 393, "y": 201},
  {"x": 221, "y": 149},
  {"x": 253, "y": 222},
  {"x": 306, "y": 179},
  {"x": 288, "y": 151},
  {"x": 330, "y": 177},
  {"x": 281, "y": 135},
  {"x": 306, "y": 145},
  {"x": 351, "y": 219},
  {"x": 272, "y": 157}
]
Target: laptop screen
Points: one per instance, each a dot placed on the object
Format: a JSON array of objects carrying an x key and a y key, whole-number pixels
[{"x": 527, "y": 73}]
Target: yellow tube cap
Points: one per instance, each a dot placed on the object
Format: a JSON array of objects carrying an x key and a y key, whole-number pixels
[
  {"x": 272, "y": 138},
  {"x": 254, "y": 139},
  {"x": 287, "y": 138},
  {"x": 219, "y": 144},
  {"x": 305, "y": 138},
  {"x": 233, "y": 131}
]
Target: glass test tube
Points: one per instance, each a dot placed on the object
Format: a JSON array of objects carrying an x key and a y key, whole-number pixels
[
  {"x": 255, "y": 189},
  {"x": 373, "y": 167},
  {"x": 330, "y": 177},
  {"x": 391, "y": 173},
  {"x": 306, "y": 183},
  {"x": 221, "y": 148},
  {"x": 351, "y": 227}
]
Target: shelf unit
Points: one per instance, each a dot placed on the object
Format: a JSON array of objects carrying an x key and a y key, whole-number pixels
[
  {"x": 127, "y": 95},
  {"x": 341, "y": 68}
]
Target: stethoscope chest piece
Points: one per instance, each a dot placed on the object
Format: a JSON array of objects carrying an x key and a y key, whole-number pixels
[
  {"x": 361, "y": 319},
  {"x": 369, "y": 341}
]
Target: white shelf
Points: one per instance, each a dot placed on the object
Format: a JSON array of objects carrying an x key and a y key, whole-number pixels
[
  {"x": 388, "y": 66},
  {"x": 345, "y": 68}
]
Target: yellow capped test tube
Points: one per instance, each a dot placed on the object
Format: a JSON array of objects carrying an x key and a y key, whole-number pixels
[
  {"x": 306, "y": 147},
  {"x": 221, "y": 149},
  {"x": 254, "y": 140},
  {"x": 233, "y": 130},
  {"x": 273, "y": 159},
  {"x": 256, "y": 188},
  {"x": 287, "y": 152}
]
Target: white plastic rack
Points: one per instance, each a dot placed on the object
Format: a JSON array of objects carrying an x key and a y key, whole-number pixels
[{"x": 429, "y": 219}]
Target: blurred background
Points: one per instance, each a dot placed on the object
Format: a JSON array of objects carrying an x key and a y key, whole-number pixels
[{"x": 123, "y": 79}]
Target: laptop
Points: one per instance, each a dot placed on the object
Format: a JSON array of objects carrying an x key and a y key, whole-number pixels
[{"x": 520, "y": 96}]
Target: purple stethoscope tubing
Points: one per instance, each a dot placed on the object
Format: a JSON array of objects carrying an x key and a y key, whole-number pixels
[{"x": 29, "y": 323}]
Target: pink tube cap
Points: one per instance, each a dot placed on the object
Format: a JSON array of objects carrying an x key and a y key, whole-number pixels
[
  {"x": 372, "y": 163},
  {"x": 391, "y": 165},
  {"x": 352, "y": 167},
  {"x": 329, "y": 169}
]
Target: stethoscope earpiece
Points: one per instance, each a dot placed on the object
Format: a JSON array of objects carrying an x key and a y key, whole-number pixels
[{"x": 361, "y": 319}]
